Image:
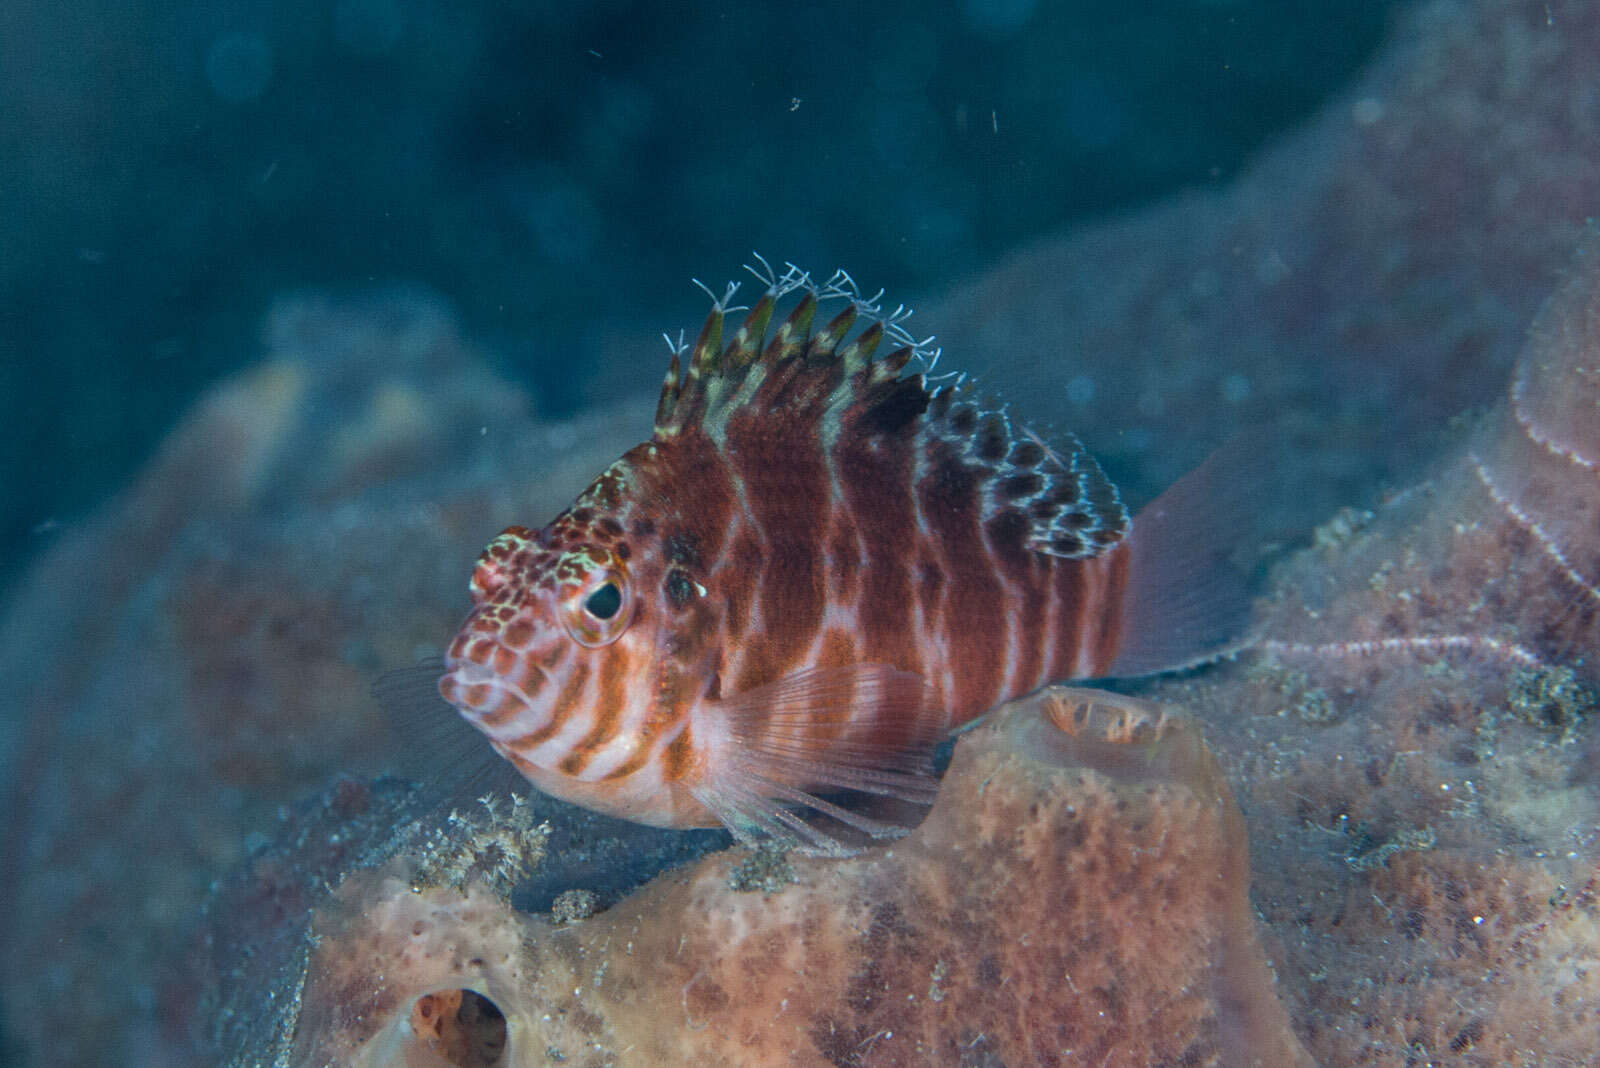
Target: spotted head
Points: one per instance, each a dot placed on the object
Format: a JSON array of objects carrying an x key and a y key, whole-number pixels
[
  {"x": 539, "y": 599},
  {"x": 571, "y": 660}
]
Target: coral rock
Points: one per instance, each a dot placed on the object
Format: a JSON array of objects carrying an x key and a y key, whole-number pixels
[
  {"x": 1417, "y": 751},
  {"x": 207, "y": 644},
  {"x": 1542, "y": 464},
  {"x": 1076, "y": 895}
]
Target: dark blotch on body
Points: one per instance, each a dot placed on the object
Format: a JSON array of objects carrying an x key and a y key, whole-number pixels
[
  {"x": 679, "y": 589},
  {"x": 896, "y": 411},
  {"x": 683, "y": 549},
  {"x": 992, "y": 438},
  {"x": 1014, "y": 487},
  {"x": 1026, "y": 454}
]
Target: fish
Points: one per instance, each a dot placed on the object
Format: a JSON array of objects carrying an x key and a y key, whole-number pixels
[{"x": 825, "y": 560}]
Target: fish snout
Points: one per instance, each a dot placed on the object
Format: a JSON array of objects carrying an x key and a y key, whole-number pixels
[
  {"x": 495, "y": 672},
  {"x": 487, "y": 696}
]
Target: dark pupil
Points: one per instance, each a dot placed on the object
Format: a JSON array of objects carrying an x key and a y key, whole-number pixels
[{"x": 604, "y": 602}]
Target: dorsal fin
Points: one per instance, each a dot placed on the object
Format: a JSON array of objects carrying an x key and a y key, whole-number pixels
[
  {"x": 1071, "y": 508},
  {"x": 1067, "y": 504}
]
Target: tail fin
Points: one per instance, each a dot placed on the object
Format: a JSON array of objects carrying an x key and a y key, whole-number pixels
[{"x": 1188, "y": 599}]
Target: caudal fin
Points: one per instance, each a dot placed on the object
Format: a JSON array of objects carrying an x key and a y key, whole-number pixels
[{"x": 1188, "y": 598}]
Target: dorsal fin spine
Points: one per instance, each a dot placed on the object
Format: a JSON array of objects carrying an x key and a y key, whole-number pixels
[
  {"x": 746, "y": 343},
  {"x": 892, "y": 364},
  {"x": 792, "y": 331},
  {"x": 669, "y": 393},
  {"x": 824, "y": 345},
  {"x": 858, "y": 353},
  {"x": 707, "y": 346}
]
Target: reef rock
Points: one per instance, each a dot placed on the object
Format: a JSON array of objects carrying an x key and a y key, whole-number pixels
[
  {"x": 1077, "y": 895},
  {"x": 1416, "y": 740},
  {"x": 198, "y": 659}
]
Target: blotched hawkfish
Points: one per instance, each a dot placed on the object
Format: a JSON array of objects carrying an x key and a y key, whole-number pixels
[{"x": 823, "y": 562}]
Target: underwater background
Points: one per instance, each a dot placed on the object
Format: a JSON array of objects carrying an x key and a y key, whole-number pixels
[
  {"x": 557, "y": 172},
  {"x": 304, "y": 302}
]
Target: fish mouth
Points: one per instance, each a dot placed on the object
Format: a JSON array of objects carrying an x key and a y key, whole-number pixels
[{"x": 485, "y": 697}]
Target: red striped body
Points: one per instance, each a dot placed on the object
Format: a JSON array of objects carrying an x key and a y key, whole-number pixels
[{"x": 818, "y": 567}]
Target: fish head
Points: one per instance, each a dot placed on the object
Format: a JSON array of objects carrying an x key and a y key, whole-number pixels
[
  {"x": 590, "y": 643},
  {"x": 552, "y": 613}
]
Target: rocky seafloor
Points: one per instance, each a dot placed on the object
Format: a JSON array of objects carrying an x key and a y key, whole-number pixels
[{"x": 215, "y": 854}]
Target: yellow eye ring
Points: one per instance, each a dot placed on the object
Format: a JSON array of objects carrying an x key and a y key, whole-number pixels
[{"x": 599, "y": 610}]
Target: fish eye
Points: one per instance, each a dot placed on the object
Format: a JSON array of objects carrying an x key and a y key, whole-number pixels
[
  {"x": 605, "y": 602},
  {"x": 597, "y": 611}
]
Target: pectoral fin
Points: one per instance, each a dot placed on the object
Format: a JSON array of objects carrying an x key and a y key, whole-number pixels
[{"x": 865, "y": 728}]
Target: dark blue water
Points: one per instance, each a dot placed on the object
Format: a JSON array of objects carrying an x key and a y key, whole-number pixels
[{"x": 557, "y": 170}]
